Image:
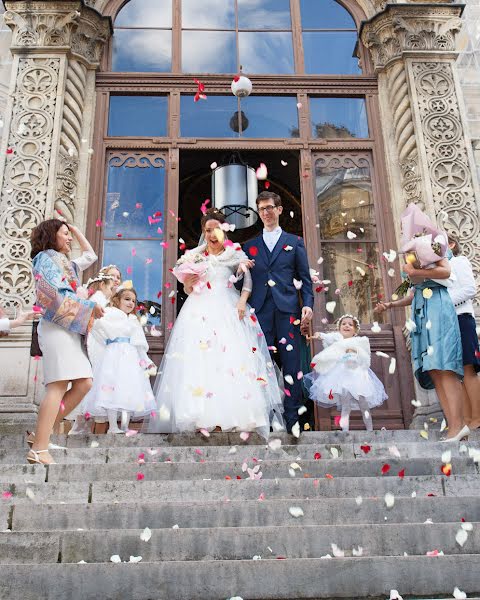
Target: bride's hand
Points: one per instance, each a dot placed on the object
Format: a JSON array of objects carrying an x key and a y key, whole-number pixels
[{"x": 241, "y": 309}]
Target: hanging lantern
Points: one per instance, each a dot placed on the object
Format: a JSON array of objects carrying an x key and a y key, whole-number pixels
[
  {"x": 241, "y": 85},
  {"x": 234, "y": 192}
]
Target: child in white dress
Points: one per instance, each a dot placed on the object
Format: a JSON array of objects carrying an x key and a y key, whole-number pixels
[
  {"x": 121, "y": 377},
  {"x": 99, "y": 289},
  {"x": 342, "y": 376}
]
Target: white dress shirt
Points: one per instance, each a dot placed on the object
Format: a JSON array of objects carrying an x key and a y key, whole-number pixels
[
  {"x": 4, "y": 324},
  {"x": 464, "y": 289},
  {"x": 271, "y": 237}
]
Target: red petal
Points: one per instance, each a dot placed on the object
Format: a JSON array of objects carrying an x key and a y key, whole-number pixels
[
  {"x": 330, "y": 395},
  {"x": 317, "y": 456},
  {"x": 385, "y": 468},
  {"x": 446, "y": 470},
  {"x": 401, "y": 473},
  {"x": 236, "y": 79},
  {"x": 267, "y": 185},
  {"x": 336, "y": 420},
  {"x": 366, "y": 449},
  {"x": 140, "y": 476}
]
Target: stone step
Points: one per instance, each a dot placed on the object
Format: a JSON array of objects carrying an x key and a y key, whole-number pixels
[
  {"x": 350, "y": 450},
  {"x": 231, "y": 439},
  {"x": 235, "y": 513},
  {"x": 270, "y": 469},
  {"x": 243, "y": 489},
  {"x": 234, "y": 543},
  {"x": 360, "y": 577}
]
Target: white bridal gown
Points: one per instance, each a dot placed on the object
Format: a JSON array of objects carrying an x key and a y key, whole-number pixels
[{"x": 217, "y": 370}]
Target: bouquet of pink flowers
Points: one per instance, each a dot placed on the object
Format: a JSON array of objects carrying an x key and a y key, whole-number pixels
[
  {"x": 192, "y": 263},
  {"x": 422, "y": 242}
]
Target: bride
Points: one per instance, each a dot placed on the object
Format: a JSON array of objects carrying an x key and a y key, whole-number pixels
[{"x": 217, "y": 370}]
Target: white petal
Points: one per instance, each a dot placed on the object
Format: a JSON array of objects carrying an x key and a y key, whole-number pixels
[
  {"x": 289, "y": 347},
  {"x": 271, "y": 283},
  {"x": 135, "y": 559},
  {"x": 146, "y": 534},
  {"x": 394, "y": 595},
  {"x": 334, "y": 452},
  {"x": 443, "y": 426},
  {"x": 275, "y": 444},
  {"x": 467, "y": 526},
  {"x": 297, "y": 283},
  {"x": 461, "y": 537},
  {"x": 289, "y": 379},
  {"x": 351, "y": 235},
  {"x": 358, "y": 500},
  {"x": 284, "y": 163},
  {"x": 164, "y": 413},
  {"x": 394, "y": 451},
  {"x": 428, "y": 324},
  {"x": 330, "y": 306},
  {"x": 302, "y": 410},
  {"x": 391, "y": 272},
  {"x": 213, "y": 165},
  {"x": 389, "y": 500},
  {"x": 115, "y": 559},
  {"x": 392, "y": 366},
  {"x": 295, "y": 511},
  {"x": 357, "y": 552},
  {"x": 376, "y": 327},
  {"x": 337, "y": 551},
  {"x": 447, "y": 456},
  {"x": 361, "y": 271},
  {"x": 382, "y": 354},
  {"x": 416, "y": 403},
  {"x": 296, "y": 430},
  {"x": 458, "y": 594}
]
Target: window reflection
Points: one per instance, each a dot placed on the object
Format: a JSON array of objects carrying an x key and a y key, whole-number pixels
[
  {"x": 338, "y": 117},
  {"x": 330, "y": 52},
  {"x": 207, "y": 118},
  {"x": 270, "y": 116},
  {"x": 264, "y": 14},
  {"x": 208, "y": 52},
  {"x": 325, "y": 14},
  {"x": 348, "y": 235},
  {"x": 270, "y": 52},
  {"x": 142, "y": 50},
  {"x": 145, "y": 13},
  {"x": 208, "y": 14},
  {"x": 138, "y": 116}
]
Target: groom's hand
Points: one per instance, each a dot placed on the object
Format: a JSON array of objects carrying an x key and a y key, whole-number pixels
[{"x": 307, "y": 314}]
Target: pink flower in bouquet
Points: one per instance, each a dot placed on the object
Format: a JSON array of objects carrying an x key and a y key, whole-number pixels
[
  {"x": 421, "y": 236},
  {"x": 192, "y": 263}
]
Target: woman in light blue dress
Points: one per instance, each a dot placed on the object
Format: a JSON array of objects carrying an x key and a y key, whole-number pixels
[{"x": 436, "y": 342}]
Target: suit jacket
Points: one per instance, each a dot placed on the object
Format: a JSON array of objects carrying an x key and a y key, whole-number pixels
[{"x": 288, "y": 260}]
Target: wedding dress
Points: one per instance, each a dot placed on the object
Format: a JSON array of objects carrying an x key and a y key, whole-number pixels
[{"x": 217, "y": 370}]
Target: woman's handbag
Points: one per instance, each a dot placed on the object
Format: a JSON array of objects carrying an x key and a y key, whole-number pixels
[{"x": 35, "y": 346}]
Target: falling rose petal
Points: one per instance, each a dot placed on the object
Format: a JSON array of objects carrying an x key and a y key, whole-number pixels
[
  {"x": 98, "y": 223},
  {"x": 6, "y": 495},
  {"x": 361, "y": 271},
  {"x": 262, "y": 172},
  {"x": 299, "y": 105},
  {"x": 302, "y": 410},
  {"x": 244, "y": 435},
  {"x": 296, "y": 511},
  {"x": 446, "y": 456},
  {"x": 213, "y": 165},
  {"x": 140, "y": 476},
  {"x": 391, "y": 272},
  {"x": 284, "y": 163},
  {"x": 292, "y": 214},
  {"x": 382, "y": 354},
  {"x": 253, "y": 251},
  {"x": 385, "y": 468},
  {"x": 443, "y": 426},
  {"x": 376, "y": 327},
  {"x": 446, "y": 470},
  {"x": 401, "y": 473},
  {"x": 262, "y": 497},
  {"x": 330, "y": 306},
  {"x": 351, "y": 235},
  {"x": 115, "y": 559},
  {"x": 389, "y": 500},
  {"x": 458, "y": 594},
  {"x": 428, "y": 324},
  {"x": 415, "y": 403},
  {"x": 146, "y": 534},
  {"x": 297, "y": 283},
  {"x": 317, "y": 456},
  {"x": 392, "y": 366},
  {"x": 366, "y": 449},
  {"x": 289, "y": 379},
  {"x": 461, "y": 537}
]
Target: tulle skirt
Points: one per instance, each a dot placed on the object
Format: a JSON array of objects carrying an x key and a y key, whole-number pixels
[
  {"x": 328, "y": 389},
  {"x": 119, "y": 383},
  {"x": 216, "y": 371}
]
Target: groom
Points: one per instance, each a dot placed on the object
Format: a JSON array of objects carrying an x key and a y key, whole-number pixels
[{"x": 280, "y": 258}]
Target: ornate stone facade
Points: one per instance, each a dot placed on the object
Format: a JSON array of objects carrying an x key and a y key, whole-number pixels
[{"x": 413, "y": 49}]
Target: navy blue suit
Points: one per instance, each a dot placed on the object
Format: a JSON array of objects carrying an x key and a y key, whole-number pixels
[{"x": 276, "y": 307}]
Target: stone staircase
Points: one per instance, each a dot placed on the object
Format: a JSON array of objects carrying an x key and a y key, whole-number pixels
[{"x": 326, "y": 520}]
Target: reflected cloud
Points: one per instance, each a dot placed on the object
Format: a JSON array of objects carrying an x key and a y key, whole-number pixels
[
  {"x": 208, "y": 14},
  {"x": 145, "y": 13},
  {"x": 264, "y": 14},
  {"x": 142, "y": 50},
  {"x": 208, "y": 52},
  {"x": 266, "y": 52}
]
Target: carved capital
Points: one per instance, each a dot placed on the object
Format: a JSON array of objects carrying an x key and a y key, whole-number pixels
[
  {"x": 69, "y": 26},
  {"x": 402, "y": 28}
]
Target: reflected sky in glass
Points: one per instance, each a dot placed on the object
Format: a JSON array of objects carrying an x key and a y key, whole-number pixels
[
  {"x": 338, "y": 117},
  {"x": 325, "y": 14},
  {"x": 329, "y": 53},
  {"x": 145, "y": 13},
  {"x": 207, "y": 118},
  {"x": 208, "y": 52},
  {"x": 270, "y": 52},
  {"x": 270, "y": 116},
  {"x": 264, "y": 14},
  {"x": 145, "y": 269},
  {"x": 142, "y": 50},
  {"x": 208, "y": 14},
  {"x": 134, "y": 193},
  {"x": 138, "y": 116}
]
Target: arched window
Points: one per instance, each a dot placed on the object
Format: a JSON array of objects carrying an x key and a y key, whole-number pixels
[{"x": 219, "y": 36}]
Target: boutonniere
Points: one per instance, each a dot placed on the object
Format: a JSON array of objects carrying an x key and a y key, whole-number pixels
[{"x": 287, "y": 248}]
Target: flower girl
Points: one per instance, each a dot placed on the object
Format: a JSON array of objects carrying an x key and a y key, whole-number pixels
[
  {"x": 342, "y": 376},
  {"x": 121, "y": 377}
]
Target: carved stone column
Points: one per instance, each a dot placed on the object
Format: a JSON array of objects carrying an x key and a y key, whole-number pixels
[
  {"x": 44, "y": 159},
  {"x": 430, "y": 156}
]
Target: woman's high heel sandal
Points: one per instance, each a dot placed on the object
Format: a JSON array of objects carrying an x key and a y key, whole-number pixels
[
  {"x": 464, "y": 432},
  {"x": 31, "y": 441},
  {"x": 33, "y": 457}
]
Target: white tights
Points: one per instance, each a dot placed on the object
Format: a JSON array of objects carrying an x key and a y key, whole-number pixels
[
  {"x": 112, "y": 420},
  {"x": 347, "y": 408}
]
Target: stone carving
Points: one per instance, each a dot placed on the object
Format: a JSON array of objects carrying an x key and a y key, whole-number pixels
[
  {"x": 397, "y": 30},
  {"x": 446, "y": 150},
  {"x": 24, "y": 190},
  {"x": 136, "y": 159},
  {"x": 404, "y": 132}
]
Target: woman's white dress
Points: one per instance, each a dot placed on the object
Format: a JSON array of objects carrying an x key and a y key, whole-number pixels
[
  {"x": 63, "y": 354},
  {"x": 217, "y": 370},
  {"x": 342, "y": 369},
  {"x": 118, "y": 350}
]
